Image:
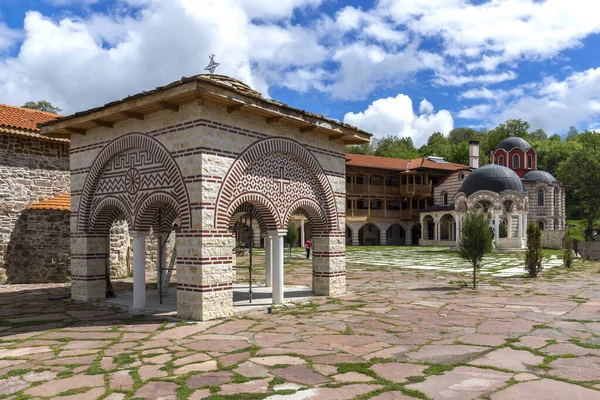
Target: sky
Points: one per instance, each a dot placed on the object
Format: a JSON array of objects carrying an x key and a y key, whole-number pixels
[{"x": 392, "y": 67}]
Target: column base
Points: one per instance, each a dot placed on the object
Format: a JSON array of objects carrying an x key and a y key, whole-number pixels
[
  {"x": 329, "y": 285},
  {"x": 88, "y": 290},
  {"x": 193, "y": 303}
]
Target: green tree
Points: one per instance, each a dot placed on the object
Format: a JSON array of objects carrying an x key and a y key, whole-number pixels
[
  {"x": 42, "y": 105},
  {"x": 463, "y": 134},
  {"x": 533, "y": 254},
  {"x": 291, "y": 237},
  {"x": 437, "y": 145},
  {"x": 395, "y": 147},
  {"x": 572, "y": 134},
  {"x": 568, "y": 256},
  {"x": 539, "y": 134},
  {"x": 475, "y": 240},
  {"x": 580, "y": 172},
  {"x": 364, "y": 149}
]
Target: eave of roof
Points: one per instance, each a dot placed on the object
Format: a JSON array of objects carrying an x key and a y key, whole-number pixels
[
  {"x": 62, "y": 202},
  {"x": 201, "y": 88},
  {"x": 19, "y": 121}
]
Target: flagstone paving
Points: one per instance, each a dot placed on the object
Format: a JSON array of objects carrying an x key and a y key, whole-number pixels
[{"x": 399, "y": 333}]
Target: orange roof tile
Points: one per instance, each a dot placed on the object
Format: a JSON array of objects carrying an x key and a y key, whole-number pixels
[
  {"x": 62, "y": 202},
  {"x": 24, "y": 118},
  {"x": 358, "y": 160},
  {"x": 20, "y": 121},
  {"x": 426, "y": 162}
]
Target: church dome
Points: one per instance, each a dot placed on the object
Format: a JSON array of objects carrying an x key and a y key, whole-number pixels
[
  {"x": 537, "y": 176},
  {"x": 495, "y": 178},
  {"x": 514, "y": 142}
]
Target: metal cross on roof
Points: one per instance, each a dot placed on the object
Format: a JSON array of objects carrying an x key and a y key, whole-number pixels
[{"x": 212, "y": 65}]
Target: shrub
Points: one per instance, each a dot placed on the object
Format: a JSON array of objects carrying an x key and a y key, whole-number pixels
[
  {"x": 475, "y": 240},
  {"x": 568, "y": 255},
  {"x": 533, "y": 255}
]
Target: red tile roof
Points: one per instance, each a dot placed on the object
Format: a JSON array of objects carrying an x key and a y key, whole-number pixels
[
  {"x": 24, "y": 118},
  {"x": 20, "y": 121},
  {"x": 62, "y": 202},
  {"x": 358, "y": 160}
]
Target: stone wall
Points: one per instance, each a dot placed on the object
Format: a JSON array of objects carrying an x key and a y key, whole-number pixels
[
  {"x": 552, "y": 239},
  {"x": 31, "y": 171},
  {"x": 589, "y": 250},
  {"x": 39, "y": 248}
]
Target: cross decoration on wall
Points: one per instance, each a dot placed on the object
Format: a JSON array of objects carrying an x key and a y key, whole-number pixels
[
  {"x": 282, "y": 180},
  {"x": 212, "y": 65}
]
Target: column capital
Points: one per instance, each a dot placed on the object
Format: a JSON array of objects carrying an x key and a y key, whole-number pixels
[
  {"x": 138, "y": 233},
  {"x": 277, "y": 233}
]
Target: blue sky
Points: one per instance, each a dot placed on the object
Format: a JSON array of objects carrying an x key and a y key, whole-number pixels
[{"x": 401, "y": 67}]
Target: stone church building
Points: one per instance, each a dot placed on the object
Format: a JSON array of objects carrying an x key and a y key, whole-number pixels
[
  {"x": 195, "y": 156},
  {"x": 511, "y": 191},
  {"x": 33, "y": 240}
]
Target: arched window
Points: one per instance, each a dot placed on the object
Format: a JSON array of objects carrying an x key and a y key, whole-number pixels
[
  {"x": 540, "y": 197},
  {"x": 501, "y": 160},
  {"x": 529, "y": 161},
  {"x": 541, "y": 225},
  {"x": 516, "y": 162},
  {"x": 445, "y": 198}
]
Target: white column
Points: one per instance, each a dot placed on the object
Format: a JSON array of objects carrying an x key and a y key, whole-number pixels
[
  {"x": 497, "y": 228},
  {"x": 139, "y": 268},
  {"x": 520, "y": 234},
  {"x": 509, "y": 224},
  {"x": 438, "y": 231},
  {"x": 302, "y": 238},
  {"x": 268, "y": 261},
  {"x": 457, "y": 227},
  {"x": 277, "y": 246}
]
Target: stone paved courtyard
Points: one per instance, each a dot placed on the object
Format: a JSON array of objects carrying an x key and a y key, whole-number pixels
[{"x": 398, "y": 334}]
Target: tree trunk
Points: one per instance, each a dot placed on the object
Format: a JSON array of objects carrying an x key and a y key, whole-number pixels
[
  {"x": 590, "y": 225},
  {"x": 474, "y": 276}
]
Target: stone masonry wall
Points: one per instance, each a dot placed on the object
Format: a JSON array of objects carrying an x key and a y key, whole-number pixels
[
  {"x": 552, "y": 239},
  {"x": 39, "y": 248},
  {"x": 30, "y": 171},
  {"x": 589, "y": 250}
]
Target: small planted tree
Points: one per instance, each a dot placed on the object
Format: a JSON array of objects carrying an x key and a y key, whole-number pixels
[
  {"x": 533, "y": 254},
  {"x": 568, "y": 255},
  {"x": 475, "y": 240}
]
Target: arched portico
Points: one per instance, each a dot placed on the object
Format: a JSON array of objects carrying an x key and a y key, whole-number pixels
[
  {"x": 279, "y": 178},
  {"x": 202, "y": 151},
  {"x": 134, "y": 178}
]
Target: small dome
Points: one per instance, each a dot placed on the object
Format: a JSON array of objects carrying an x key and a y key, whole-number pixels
[
  {"x": 495, "y": 178},
  {"x": 537, "y": 176},
  {"x": 512, "y": 142},
  {"x": 231, "y": 82}
]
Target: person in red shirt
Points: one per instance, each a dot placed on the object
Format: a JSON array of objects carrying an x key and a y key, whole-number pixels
[{"x": 307, "y": 246}]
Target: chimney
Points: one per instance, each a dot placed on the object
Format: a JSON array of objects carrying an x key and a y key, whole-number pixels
[{"x": 474, "y": 154}]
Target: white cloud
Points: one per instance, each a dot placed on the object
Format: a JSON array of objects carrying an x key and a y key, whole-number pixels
[
  {"x": 454, "y": 80},
  {"x": 395, "y": 116},
  {"x": 8, "y": 37},
  {"x": 499, "y": 30},
  {"x": 556, "y": 105},
  {"x": 480, "y": 111},
  {"x": 81, "y": 63},
  {"x": 425, "y": 107}
]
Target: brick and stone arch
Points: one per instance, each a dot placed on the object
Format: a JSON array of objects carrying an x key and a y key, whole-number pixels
[
  {"x": 131, "y": 179},
  {"x": 130, "y": 168},
  {"x": 275, "y": 174},
  {"x": 273, "y": 179}
]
